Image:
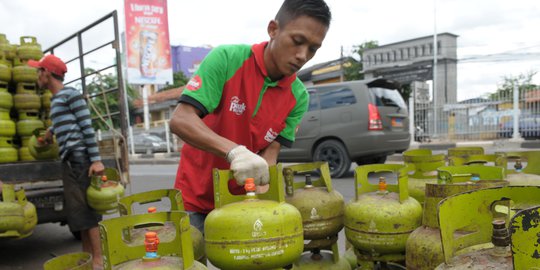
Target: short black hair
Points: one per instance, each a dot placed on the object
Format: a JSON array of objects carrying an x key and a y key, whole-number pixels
[{"x": 292, "y": 9}]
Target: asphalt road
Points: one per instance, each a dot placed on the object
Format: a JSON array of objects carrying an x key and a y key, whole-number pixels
[{"x": 50, "y": 240}]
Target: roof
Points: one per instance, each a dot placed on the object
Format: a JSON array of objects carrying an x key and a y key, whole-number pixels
[{"x": 160, "y": 97}]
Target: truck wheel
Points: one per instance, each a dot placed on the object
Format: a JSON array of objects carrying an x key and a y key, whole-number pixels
[{"x": 336, "y": 155}]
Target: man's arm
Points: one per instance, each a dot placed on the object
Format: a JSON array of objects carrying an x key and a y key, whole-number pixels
[
  {"x": 270, "y": 153},
  {"x": 186, "y": 124}
]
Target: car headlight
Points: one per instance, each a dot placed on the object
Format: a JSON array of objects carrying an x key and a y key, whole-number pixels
[{"x": 155, "y": 144}]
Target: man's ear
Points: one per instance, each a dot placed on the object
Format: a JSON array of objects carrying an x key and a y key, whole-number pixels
[{"x": 273, "y": 28}]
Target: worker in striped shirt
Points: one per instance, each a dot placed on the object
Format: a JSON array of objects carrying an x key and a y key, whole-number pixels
[{"x": 72, "y": 126}]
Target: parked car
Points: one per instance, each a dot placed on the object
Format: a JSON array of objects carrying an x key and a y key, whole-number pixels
[
  {"x": 148, "y": 143},
  {"x": 529, "y": 127},
  {"x": 360, "y": 121}
]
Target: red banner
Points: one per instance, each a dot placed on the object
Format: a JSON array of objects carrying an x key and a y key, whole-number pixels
[{"x": 147, "y": 40}]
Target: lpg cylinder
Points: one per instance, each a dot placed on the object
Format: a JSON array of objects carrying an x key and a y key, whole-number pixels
[
  {"x": 456, "y": 153},
  {"x": 9, "y": 50},
  {"x": 425, "y": 170},
  {"x": 11, "y": 213},
  {"x": 29, "y": 48},
  {"x": 153, "y": 253},
  {"x": 5, "y": 69},
  {"x": 252, "y": 231},
  {"x": 466, "y": 220},
  {"x": 528, "y": 175},
  {"x": 7, "y": 126},
  {"x": 28, "y": 122},
  {"x": 30, "y": 214},
  {"x": 524, "y": 228},
  {"x": 37, "y": 147},
  {"x": 6, "y": 99},
  {"x": 105, "y": 191},
  {"x": 8, "y": 153},
  {"x": 497, "y": 257},
  {"x": 424, "y": 247},
  {"x": 46, "y": 99},
  {"x": 166, "y": 232},
  {"x": 26, "y": 88},
  {"x": 27, "y": 101},
  {"x": 21, "y": 72},
  {"x": 381, "y": 217},
  {"x": 321, "y": 206}
]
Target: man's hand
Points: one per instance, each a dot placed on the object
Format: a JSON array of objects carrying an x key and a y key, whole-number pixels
[
  {"x": 47, "y": 138},
  {"x": 96, "y": 168},
  {"x": 245, "y": 164}
]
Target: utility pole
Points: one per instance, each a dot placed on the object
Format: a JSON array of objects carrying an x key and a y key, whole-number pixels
[
  {"x": 341, "y": 64},
  {"x": 435, "y": 52}
]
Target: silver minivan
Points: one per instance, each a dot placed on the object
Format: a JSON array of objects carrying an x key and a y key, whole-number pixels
[{"x": 355, "y": 121}]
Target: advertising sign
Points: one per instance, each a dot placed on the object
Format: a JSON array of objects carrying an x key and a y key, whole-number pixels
[{"x": 147, "y": 40}]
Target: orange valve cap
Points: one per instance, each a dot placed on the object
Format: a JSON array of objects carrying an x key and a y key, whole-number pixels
[
  {"x": 249, "y": 186},
  {"x": 103, "y": 178},
  {"x": 382, "y": 184},
  {"x": 152, "y": 209}
]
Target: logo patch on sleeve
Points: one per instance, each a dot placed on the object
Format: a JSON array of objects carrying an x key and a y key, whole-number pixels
[{"x": 194, "y": 84}]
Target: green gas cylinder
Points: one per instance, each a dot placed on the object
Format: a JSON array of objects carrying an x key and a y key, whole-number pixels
[
  {"x": 321, "y": 206},
  {"x": 381, "y": 217},
  {"x": 6, "y": 99},
  {"x": 463, "y": 153},
  {"x": 28, "y": 122},
  {"x": 252, "y": 231},
  {"x": 38, "y": 149},
  {"x": 29, "y": 48},
  {"x": 8, "y": 153},
  {"x": 27, "y": 101},
  {"x": 46, "y": 99},
  {"x": 5, "y": 68},
  {"x": 528, "y": 175},
  {"x": 424, "y": 247},
  {"x": 11, "y": 213},
  {"x": 166, "y": 232},
  {"x": 7, "y": 127},
  {"x": 425, "y": 170},
  {"x": 21, "y": 72},
  {"x": 153, "y": 253},
  {"x": 9, "y": 50},
  {"x": 105, "y": 191},
  {"x": 467, "y": 220},
  {"x": 525, "y": 229},
  {"x": 30, "y": 214}
]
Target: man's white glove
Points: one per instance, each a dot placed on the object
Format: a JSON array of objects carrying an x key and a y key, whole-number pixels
[{"x": 246, "y": 164}]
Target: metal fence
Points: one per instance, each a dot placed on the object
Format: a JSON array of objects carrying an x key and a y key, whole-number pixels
[{"x": 491, "y": 117}]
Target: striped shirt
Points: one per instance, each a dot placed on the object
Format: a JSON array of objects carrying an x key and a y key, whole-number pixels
[{"x": 72, "y": 125}]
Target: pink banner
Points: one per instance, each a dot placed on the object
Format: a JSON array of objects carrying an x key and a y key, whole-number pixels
[{"x": 147, "y": 40}]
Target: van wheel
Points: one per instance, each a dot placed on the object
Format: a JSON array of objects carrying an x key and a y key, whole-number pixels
[{"x": 336, "y": 155}]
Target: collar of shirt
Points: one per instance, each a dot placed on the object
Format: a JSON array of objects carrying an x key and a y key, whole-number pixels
[{"x": 258, "y": 52}]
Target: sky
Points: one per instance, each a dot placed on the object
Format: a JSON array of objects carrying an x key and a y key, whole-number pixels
[{"x": 497, "y": 38}]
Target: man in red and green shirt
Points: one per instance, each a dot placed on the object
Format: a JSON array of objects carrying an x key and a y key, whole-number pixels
[{"x": 243, "y": 103}]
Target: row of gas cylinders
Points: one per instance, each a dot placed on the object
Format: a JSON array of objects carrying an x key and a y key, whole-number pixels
[
  {"x": 31, "y": 116},
  {"x": 13, "y": 59},
  {"x": 296, "y": 225}
]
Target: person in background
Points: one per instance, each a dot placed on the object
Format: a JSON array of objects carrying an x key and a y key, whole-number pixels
[
  {"x": 245, "y": 102},
  {"x": 79, "y": 152}
]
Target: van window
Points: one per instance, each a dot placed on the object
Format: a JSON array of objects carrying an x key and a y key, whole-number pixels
[
  {"x": 386, "y": 97},
  {"x": 332, "y": 97},
  {"x": 313, "y": 101}
]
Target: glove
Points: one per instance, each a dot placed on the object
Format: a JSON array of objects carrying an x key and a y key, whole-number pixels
[{"x": 245, "y": 164}]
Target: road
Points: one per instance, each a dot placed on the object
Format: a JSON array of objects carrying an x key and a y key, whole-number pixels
[{"x": 49, "y": 240}]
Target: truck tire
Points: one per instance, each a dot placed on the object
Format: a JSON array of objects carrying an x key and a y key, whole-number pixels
[{"x": 337, "y": 156}]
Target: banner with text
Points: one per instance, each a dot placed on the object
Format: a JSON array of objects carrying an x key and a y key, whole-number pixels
[{"x": 147, "y": 40}]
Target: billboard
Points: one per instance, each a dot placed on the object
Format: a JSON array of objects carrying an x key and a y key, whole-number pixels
[{"x": 147, "y": 40}]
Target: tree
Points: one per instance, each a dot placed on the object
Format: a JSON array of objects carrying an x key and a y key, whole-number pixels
[
  {"x": 353, "y": 70},
  {"x": 179, "y": 79},
  {"x": 105, "y": 102},
  {"x": 506, "y": 88}
]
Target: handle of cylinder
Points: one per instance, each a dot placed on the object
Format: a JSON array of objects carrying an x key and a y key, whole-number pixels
[
  {"x": 361, "y": 176},
  {"x": 324, "y": 180},
  {"x": 222, "y": 195}
]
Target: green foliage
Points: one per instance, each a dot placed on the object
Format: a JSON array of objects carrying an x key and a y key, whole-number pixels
[
  {"x": 353, "y": 70},
  {"x": 107, "y": 102},
  {"x": 506, "y": 88},
  {"x": 179, "y": 79}
]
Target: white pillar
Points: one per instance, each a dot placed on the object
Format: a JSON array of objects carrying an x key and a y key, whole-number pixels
[
  {"x": 515, "y": 134},
  {"x": 145, "y": 107},
  {"x": 167, "y": 137}
]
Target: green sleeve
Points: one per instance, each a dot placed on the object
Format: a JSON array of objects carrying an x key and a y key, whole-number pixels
[
  {"x": 301, "y": 107},
  {"x": 210, "y": 78}
]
